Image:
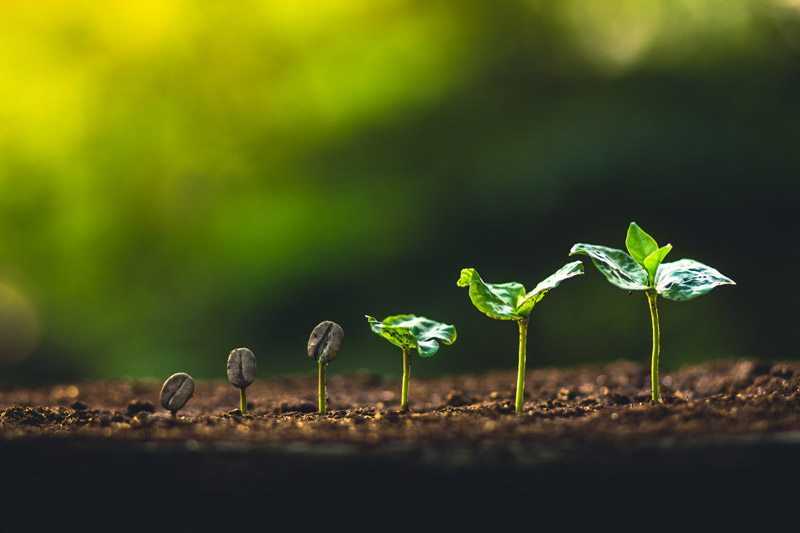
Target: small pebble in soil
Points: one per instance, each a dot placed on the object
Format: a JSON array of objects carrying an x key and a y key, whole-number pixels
[
  {"x": 299, "y": 407},
  {"x": 139, "y": 406},
  {"x": 457, "y": 399},
  {"x": 79, "y": 406},
  {"x": 238, "y": 413},
  {"x": 782, "y": 371},
  {"x": 565, "y": 393}
]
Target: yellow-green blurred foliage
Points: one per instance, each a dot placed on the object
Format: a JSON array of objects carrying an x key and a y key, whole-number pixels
[{"x": 180, "y": 177}]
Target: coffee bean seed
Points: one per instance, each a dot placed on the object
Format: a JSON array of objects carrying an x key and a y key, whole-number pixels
[
  {"x": 325, "y": 341},
  {"x": 241, "y": 367},
  {"x": 176, "y": 391}
]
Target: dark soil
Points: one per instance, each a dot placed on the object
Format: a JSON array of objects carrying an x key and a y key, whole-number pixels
[{"x": 734, "y": 419}]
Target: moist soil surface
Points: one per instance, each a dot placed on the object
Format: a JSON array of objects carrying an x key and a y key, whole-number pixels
[{"x": 739, "y": 421}]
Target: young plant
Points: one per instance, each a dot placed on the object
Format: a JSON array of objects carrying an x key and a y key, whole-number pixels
[
  {"x": 241, "y": 371},
  {"x": 644, "y": 270},
  {"x": 324, "y": 343},
  {"x": 510, "y": 301},
  {"x": 409, "y": 332},
  {"x": 176, "y": 391}
]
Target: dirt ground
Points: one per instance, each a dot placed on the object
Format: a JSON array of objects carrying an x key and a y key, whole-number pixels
[
  {"x": 733, "y": 418},
  {"x": 607, "y": 403}
]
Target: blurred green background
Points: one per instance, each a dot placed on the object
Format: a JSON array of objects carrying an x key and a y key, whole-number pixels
[{"x": 178, "y": 178}]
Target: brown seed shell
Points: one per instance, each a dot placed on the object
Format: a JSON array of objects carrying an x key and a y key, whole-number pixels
[
  {"x": 325, "y": 341},
  {"x": 176, "y": 391},
  {"x": 241, "y": 367}
]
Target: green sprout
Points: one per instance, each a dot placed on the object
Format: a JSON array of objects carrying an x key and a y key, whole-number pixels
[
  {"x": 644, "y": 270},
  {"x": 241, "y": 370},
  {"x": 510, "y": 301},
  {"x": 324, "y": 343},
  {"x": 409, "y": 332}
]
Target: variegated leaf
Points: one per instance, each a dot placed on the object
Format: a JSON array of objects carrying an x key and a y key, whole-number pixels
[
  {"x": 618, "y": 267},
  {"x": 409, "y": 331},
  {"x": 686, "y": 279}
]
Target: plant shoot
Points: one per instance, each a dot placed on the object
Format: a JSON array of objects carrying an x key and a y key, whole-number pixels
[
  {"x": 510, "y": 301},
  {"x": 324, "y": 343},
  {"x": 409, "y": 332},
  {"x": 643, "y": 269}
]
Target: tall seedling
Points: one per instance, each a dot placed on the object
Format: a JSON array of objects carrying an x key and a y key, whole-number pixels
[{"x": 644, "y": 270}]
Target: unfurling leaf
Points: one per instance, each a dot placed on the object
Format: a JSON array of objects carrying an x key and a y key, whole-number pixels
[
  {"x": 639, "y": 243},
  {"x": 508, "y": 301},
  {"x": 686, "y": 279},
  {"x": 496, "y": 300},
  {"x": 619, "y": 268},
  {"x": 567, "y": 271},
  {"x": 652, "y": 261},
  {"x": 414, "y": 332}
]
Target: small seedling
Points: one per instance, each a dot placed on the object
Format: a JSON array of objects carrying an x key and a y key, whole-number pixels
[
  {"x": 241, "y": 373},
  {"x": 510, "y": 301},
  {"x": 176, "y": 391},
  {"x": 644, "y": 270},
  {"x": 324, "y": 343},
  {"x": 409, "y": 332}
]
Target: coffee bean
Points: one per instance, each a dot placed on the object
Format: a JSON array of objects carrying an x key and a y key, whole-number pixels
[
  {"x": 176, "y": 391},
  {"x": 241, "y": 367},
  {"x": 325, "y": 341}
]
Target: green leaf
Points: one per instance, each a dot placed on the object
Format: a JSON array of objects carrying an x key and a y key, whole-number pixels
[
  {"x": 686, "y": 279},
  {"x": 508, "y": 301},
  {"x": 639, "y": 243},
  {"x": 652, "y": 261},
  {"x": 525, "y": 306},
  {"x": 618, "y": 267},
  {"x": 496, "y": 300},
  {"x": 409, "y": 331}
]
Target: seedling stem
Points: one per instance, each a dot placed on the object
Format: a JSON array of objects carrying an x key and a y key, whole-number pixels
[
  {"x": 410, "y": 332},
  {"x": 406, "y": 376},
  {"x": 523, "y": 353},
  {"x": 655, "y": 383},
  {"x": 643, "y": 269},
  {"x": 242, "y": 401},
  {"x": 321, "y": 393}
]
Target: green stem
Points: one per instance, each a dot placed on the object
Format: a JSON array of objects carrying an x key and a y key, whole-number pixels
[
  {"x": 523, "y": 354},
  {"x": 242, "y": 401},
  {"x": 406, "y": 376},
  {"x": 322, "y": 395},
  {"x": 655, "y": 383}
]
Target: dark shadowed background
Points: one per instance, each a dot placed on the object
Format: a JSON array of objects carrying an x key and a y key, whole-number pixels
[{"x": 180, "y": 178}]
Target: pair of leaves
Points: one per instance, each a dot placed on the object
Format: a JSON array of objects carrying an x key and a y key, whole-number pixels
[
  {"x": 510, "y": 301},
  {"x": 414, "y": 332},
  {"x": 645, "y": 250},
  {"x": 644, "y": 269}
]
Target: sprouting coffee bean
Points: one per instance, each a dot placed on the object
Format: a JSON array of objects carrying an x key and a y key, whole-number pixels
[
  {"x": 176, "y": 391},
  {"x": 325, "y": 341},
  {"x": 241, "y": 367}
]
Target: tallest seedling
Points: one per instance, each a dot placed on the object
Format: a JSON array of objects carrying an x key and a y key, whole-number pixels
[
  {"x": 644, "y": 270},
  {"x": 510, "y": 301}
]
